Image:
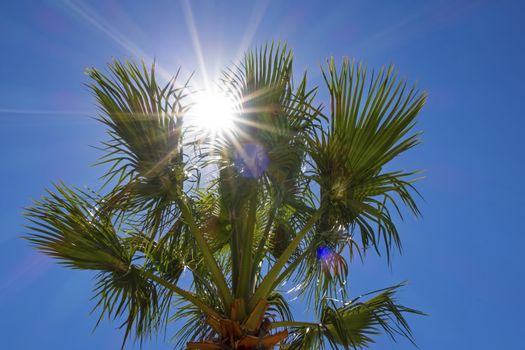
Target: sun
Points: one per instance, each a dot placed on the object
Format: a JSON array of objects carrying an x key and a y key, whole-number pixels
[{"x": 213, "y": 112}]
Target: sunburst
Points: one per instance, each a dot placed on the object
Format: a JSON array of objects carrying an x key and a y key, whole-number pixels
[{"x": 213, "y": 112}]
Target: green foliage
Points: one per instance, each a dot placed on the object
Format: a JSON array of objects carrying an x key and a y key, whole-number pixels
[
  {"x": 353, "y": 325},
  {"x": 68, "y": 226},
  {"x": 370, "y": 124},
  {"x": 144, "y": 122},
  {"x": 286, "y": 199}
]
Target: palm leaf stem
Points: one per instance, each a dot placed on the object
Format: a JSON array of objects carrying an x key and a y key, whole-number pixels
[
  {"x": 289, "y": 269},
  {"x": 262, "y": 243},
  {"x": 246, "y": 258},
  {"x": 192, "y": 298},
  {"x": 268, "y": 282},
  {"x": 215, "y": 271}
]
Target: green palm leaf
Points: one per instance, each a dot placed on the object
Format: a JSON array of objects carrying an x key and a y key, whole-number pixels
[
  {"x": 144, "y": 122},
  {"x": 353, "y": 325},
  {"x": 370, "y": 124},
  {"x": 67, "y": 225}
]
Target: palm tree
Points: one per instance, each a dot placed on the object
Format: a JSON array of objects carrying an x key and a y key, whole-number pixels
[{"x": 287, "y": 198}]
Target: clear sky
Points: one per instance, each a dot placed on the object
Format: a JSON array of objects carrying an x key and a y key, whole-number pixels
[{"x": 463, "y": 258}]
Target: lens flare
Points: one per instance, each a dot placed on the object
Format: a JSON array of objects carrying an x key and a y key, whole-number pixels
[
  {"x": 251, "y": 160},
  {"x": 331, "y": 262}
]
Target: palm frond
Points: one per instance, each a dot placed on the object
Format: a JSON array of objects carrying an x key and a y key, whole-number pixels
[
  {"x": 144, "y": 122},
  {"x": 370, "y": 124},
  {"x": 67, "y": 226},
  {"x": 353, "y": 325},
  {"x": 265, "y": 155},
  {"x": 275, "y": 114}
]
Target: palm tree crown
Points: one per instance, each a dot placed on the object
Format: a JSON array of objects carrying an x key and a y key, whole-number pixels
[{"x": 285, "y": 198}]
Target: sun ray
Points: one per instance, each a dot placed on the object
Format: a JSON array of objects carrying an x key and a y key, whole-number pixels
[
  {"x": 257, "y": 14},
  {"x": 190, "y": 23},
  {"x": 42, "y": 111},
  {"x": 90, "y": 16}
]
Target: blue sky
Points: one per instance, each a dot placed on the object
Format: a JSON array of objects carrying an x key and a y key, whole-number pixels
[{"x": 463, "y": 258}]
